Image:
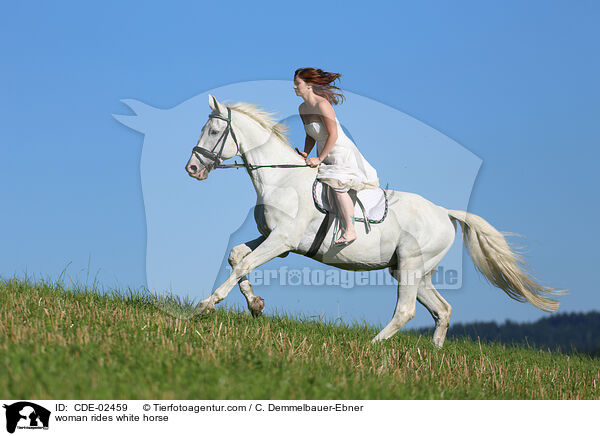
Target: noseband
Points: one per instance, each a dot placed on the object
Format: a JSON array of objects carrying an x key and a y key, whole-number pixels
[{"x": 217, "y": 158}]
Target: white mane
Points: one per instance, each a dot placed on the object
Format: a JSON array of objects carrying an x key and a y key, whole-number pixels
[{"x": 264, "y": 118}]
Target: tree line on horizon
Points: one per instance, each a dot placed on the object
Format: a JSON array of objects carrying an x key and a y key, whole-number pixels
[{"x": 566, "y": 333}]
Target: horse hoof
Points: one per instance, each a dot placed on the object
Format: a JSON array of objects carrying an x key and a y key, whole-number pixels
[
  {"x": 257, "y": 306},
  {"x": 205, "y": 307}
]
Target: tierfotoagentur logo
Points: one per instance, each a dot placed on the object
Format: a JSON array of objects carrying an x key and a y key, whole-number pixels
[
  {"x": 285, "y": 276},
  {"x": 25, "y": 415}
]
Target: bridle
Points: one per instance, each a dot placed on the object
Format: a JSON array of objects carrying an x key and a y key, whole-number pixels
[{"x": 217, "y": 158}]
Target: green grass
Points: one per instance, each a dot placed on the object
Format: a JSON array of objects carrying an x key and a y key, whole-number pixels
[{"x": 78, "y": 344}]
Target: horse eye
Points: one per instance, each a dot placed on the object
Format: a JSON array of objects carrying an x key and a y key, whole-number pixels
[{"x": 213, "y": 132}]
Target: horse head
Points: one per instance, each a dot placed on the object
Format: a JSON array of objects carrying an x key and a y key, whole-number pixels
[{"x": 217, "y": 142}]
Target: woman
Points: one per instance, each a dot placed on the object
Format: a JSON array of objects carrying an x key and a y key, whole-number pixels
[{"x": 341, "y": 166}]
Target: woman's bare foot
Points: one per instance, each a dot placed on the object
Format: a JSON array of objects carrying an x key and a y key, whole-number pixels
[{"x": 348, "y": 237}]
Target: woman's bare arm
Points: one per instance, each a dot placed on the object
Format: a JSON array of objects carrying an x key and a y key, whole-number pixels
[
  {"x": 328, "y": 116},
  {"x": 309, "y": 143}
]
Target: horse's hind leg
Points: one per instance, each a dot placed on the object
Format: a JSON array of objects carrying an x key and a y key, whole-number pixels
[
  {"x": 255, "y": 303},
  {"x": 439, "y": 308}
]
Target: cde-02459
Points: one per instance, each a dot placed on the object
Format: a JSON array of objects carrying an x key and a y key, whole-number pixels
[{"x": 100, "y": 407}]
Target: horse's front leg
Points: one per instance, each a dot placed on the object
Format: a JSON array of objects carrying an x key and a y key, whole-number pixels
[
  {"x": 255, "y": 303},
  {"x": 272, "y": 247}
]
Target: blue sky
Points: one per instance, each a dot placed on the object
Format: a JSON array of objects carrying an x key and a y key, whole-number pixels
[{"x": 513, "y": 82}]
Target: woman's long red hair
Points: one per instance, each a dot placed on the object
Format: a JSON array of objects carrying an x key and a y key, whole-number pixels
[{"x": 321, "y": 82}]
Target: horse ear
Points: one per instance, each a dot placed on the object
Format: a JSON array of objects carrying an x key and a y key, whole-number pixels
[
  {"x": 143, "y": 114},
  {"x": 215, "y": 105}
]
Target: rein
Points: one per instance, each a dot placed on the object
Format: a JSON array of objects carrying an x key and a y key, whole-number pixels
[{"x": 217, "y": 158}]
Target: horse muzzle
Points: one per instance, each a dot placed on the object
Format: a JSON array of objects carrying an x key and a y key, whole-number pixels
[{"x": 196, "y": 172}]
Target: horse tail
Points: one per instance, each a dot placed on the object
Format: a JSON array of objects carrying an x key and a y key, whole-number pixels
[{"x": 500, "y": 264}]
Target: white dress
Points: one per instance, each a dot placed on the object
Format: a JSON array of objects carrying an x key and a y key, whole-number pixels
[{"x": 344, "y": 168}]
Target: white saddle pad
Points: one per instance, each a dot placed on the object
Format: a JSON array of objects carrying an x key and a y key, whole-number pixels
[{"x": 374, "y": 201}]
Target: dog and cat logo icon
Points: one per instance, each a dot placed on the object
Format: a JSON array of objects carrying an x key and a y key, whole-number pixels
[{"x": 26, "y": 415}]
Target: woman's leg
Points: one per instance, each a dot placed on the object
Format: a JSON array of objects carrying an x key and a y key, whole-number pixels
[{"x": 347, "y": 212}]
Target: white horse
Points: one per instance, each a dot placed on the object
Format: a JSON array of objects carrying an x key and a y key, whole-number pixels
[{"x": 411, "y": 241}]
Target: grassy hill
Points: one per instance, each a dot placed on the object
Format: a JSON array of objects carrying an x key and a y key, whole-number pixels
[{"x": 77, "y": 344}]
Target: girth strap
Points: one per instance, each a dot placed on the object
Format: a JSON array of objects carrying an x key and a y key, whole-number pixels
[{"x": 320, "y": 236}]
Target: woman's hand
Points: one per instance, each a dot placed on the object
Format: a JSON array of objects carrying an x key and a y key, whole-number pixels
[{"x": 313, "y": 161}]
